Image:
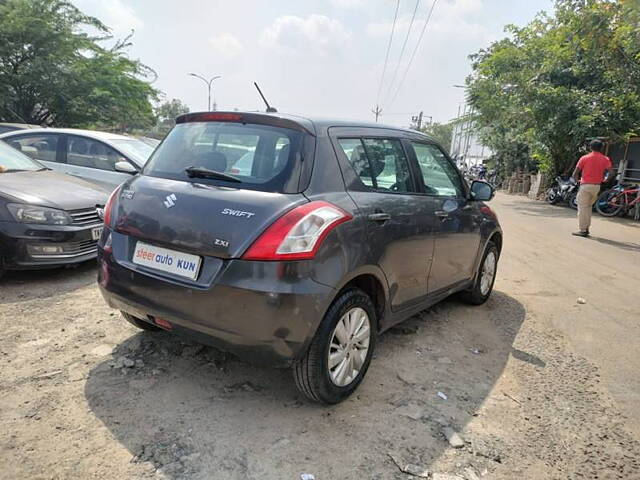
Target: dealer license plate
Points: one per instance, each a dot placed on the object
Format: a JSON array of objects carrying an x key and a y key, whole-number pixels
[
  {"x": 96, "y": 233},
  {"x": 166, "y": 260}
]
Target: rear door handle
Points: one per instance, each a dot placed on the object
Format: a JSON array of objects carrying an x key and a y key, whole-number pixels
[
  {"x": 441, "y": 214},
  {"x": 379, "y": 217}
]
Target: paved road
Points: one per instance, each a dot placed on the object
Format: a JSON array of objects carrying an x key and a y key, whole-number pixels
[{"x": 550, "y": 269}]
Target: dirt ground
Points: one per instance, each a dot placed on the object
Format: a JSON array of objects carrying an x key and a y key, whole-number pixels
[{"x": 538, "y": 385}]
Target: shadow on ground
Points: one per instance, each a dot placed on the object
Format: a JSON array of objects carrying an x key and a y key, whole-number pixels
[
  {"x": 193, "y": 412},
  {"x": 543, "y": 209},
  {"x": 30, "y": 284},
  {"x": 633, "y": 247}
]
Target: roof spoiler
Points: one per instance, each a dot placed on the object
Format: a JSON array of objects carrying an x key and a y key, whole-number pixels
[{"x": 244, "y": 118}]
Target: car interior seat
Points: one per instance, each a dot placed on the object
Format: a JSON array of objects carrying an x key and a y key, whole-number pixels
[
  {"x": 282, "y": 159},
  {"x": 213, "y": 161},
  {"x": 79, "y": 154},
  {"x": 362, "y": 165}
]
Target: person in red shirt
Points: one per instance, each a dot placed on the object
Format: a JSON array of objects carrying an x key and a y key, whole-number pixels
[{"x": 591, "y": 170}]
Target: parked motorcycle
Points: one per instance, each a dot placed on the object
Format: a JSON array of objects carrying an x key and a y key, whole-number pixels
[{"x": 564, "y": 190}]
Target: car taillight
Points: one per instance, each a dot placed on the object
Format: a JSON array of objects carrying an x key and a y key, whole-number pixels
[
  {"x": 109, "y": 206},
  {"x": 209, "y": 117},
  {"x": 298, "y": 234}
]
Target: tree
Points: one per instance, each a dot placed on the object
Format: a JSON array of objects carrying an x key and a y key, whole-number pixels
[
  {"x": 166, "y": 114},
  {"x": 53, "y": 72},
  {"x": 440, "y": 132},
  {"x": 553, "y": 84},
  {"x": 168, "y": 111}
]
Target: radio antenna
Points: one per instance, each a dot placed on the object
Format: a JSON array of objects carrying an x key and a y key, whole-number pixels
[{"x": 270, "y": 109}]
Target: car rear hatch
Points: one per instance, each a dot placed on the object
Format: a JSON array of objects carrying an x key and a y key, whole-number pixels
[
  {"x": 197, "y": 218},
  {"x": 216, "y": 182}
]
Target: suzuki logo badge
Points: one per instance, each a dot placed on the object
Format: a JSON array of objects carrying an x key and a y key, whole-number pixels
[{"x": 170, "y": 201}]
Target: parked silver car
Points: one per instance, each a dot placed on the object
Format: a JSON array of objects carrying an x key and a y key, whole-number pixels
[
  {"x": 106, "y": 159},
  {"x": 10, "y": 127}
]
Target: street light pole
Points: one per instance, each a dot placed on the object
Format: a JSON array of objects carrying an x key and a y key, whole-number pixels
[{"x": 208, "y": 83}]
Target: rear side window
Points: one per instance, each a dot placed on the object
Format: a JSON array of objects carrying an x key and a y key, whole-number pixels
[
  {"x": 261, "y": 157},
  {"x": 380, "y": 163},
  {"x": 40, "y": 147}
]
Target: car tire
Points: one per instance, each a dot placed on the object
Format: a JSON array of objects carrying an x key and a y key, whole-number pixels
[
  {"x": 480, "y": 292},
  {"x": 314, "y": 376},
  {"x": 141, "y": 324}
]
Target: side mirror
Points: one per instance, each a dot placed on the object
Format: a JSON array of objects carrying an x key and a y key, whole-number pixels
[
  {"x": 125, "y": 167},
  {"x": 482, "y": 191}
]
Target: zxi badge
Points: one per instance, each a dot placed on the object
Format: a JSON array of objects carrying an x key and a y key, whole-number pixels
[{"x": 170, "y": 201}]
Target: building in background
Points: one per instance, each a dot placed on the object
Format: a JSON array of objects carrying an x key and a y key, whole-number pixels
[{"x": 466, "y": 148}]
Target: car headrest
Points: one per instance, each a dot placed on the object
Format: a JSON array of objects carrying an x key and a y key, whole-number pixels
[
  {"x": 95, "y": 149},
  {"x": 283, "y": 158},
  {"x": 361, "y": 163},
  {"x": 79, "y": 146},
  {"x": 216, "y": 161},
  {"x": 377, "y": 161}
]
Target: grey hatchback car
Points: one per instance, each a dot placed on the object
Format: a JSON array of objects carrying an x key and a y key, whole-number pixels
[{"x": 335, "y": 232}]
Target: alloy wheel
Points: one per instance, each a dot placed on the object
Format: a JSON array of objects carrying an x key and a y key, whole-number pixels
[
  {"x": 488, "y": 273},
  {"x": 349, "y": 346}
]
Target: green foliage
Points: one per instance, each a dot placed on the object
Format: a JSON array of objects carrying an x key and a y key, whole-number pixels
[
  {"x": 52, "y": 72},
  {"x": 440, "y": 132},
  {"x": 167, "y": 111},
  {"x": 542, "y": 92},
  {"x": 166, "y": 114}
]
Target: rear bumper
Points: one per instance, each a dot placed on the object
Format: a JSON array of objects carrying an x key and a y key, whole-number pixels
[
  {"x": 17, "y": 241},
  {"x": 264, "y": 312}
]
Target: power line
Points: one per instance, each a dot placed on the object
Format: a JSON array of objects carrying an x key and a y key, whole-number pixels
[
  {"x": 400, "y": 113},
  {"x": 415, "y": 50},
  {"x": 386, "y": 58},
  {"x": 404, "y": 45}
]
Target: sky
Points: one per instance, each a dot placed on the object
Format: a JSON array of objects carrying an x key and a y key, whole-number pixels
[{"x": 314, "y": 57}]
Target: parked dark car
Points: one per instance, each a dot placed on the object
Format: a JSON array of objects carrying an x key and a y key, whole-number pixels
[
  {"x": 47, "y": 219},
  {"x": 335, "y": 232}
]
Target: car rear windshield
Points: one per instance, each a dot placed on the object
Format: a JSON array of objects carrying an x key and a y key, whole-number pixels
[{"x": 258, "y": 157}]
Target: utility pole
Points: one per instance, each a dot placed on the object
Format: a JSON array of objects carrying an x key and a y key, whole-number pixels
[
  {"x": 417, "y": 119},
  {"x": 377, "y": 111},
  {"x": 208, "y": 83}
]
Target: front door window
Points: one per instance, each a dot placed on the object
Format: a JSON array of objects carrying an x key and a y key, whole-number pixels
[
  {"x": 87, "y": 152},
  {"x": 440, "y": 177}
]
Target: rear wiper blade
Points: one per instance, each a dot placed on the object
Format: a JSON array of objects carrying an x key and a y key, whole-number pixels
[{"x": 201, "y": 172}]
